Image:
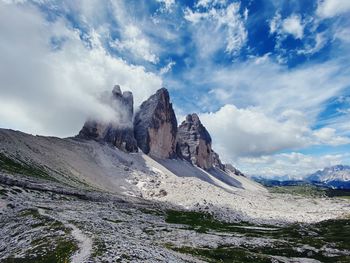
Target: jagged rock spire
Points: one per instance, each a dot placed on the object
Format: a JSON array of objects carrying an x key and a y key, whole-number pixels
[
  {"x": 155, "y": 126},
  {"x": 118, "y": 132},
  {"x": 194, "y": 143}
]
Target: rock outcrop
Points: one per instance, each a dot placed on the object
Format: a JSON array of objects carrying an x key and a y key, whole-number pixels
[
  {"x": 155, "y": 126},
  {"x": 217, "y": 162},
  {"x": 118, "y": 132},
  {"x": 230, "y": 168},
  {"x": 194, "y": 143}
]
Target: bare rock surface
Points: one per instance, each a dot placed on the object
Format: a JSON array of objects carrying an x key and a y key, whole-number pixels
[
  {"x": 195, "y": 143},
  {"x": 155, "y": 126},
  {"x": 231, "y": 169},
  {"x": 119, "y": 131},
  {"x": 38, "y": 226},
  {"x": 105, "y": 205},
  {"x": 90, "y": 165}
]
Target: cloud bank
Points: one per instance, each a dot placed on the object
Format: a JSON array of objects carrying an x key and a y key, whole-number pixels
[{"x": 50, "y": 79}]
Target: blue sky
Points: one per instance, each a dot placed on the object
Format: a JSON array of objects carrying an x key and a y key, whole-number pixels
[{"x": 270, "y": 79}]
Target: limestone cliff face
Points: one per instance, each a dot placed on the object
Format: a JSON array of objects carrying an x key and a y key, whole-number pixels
[
  {"x": 118, "y": 132},
  {"x": 194, "y": 143},
  {"x": 155, "y": 126}
]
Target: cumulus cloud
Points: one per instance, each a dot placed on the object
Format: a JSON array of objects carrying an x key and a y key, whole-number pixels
[
  {"x": 292, "y": 25},
  {"x": 249, "y": 132},
  {"x": 218, "y": 27},
  {"x": 328, "y": 136},
  {"x": 269, "y": 108},
  {"x": 51, "y": 81},
  {"x": 331, "y": 8}
]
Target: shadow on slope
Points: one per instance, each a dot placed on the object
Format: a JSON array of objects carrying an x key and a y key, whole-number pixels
[{"x": 214, "y": 176}]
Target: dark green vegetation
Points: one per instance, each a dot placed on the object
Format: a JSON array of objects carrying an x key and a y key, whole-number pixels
[
  {"x": 201, "y": 222},
  {"x": 328, "y": 241},
  {"x": 310, "y": 191},
  {"x": 59, "y": 252},
  {"x": 16, "y": 166}
]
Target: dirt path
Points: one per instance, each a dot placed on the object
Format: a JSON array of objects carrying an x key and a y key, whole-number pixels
[{"x": 83, "y": 241}]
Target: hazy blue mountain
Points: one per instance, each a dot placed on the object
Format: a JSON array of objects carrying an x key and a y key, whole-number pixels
[{"x": 337, "y": 176}]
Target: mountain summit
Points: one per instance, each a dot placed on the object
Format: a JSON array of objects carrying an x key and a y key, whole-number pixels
[
  {"x": 154, "y": 130},
  {"x": 194, "y": 142},
  {"x": 119, "y": 131},
  {"x": 155, "y": 126}
]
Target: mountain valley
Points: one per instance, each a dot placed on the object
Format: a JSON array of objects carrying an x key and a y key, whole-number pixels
[{"x": 142, "y": 189}]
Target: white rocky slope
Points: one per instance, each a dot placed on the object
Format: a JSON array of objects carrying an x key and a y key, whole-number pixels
[
  {"x": 245, "y": 201},
  {"x": 99, "y": 166}
]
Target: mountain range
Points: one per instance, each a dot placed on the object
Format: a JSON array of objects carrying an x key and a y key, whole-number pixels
[
  {"x": 120, "y": 154},
  {"x": 337, "y": 177}
]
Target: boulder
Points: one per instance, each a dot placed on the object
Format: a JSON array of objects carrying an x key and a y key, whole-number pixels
[
  {"x": 118, "y": 132},
  {"x": 155, "y": 126}
]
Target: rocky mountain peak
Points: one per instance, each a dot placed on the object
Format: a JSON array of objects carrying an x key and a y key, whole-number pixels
[
  {"x": 155, "y": 126},
  {"x": 193, "y": 118},
  {"x": 117, "y": 90},
  {"x": 194, "y": 143},
  {"x": 118, "y": 132}
]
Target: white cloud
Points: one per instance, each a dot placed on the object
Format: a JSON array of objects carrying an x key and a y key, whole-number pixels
[
  {"x": 343, "y": 34},
  {"x": 246, "y": 132},
  {"x": 136, "y": 43},
  {"x": 167, "y": 68},
  {"x": 168, "y": 4},
  {"x": 331, "y": 8},
  {"x": 292, "y": 25},
  {"x": 268, "y": 107},
  {"x": 320, "y": 42},
  {"x": 132, "y": 36},
  {"x": 218, "y": 27},
  {"x": 56, "y": 89},
  {"x": 126, "y": 31},
  {"x": 272, "y": 87},
  {"x": 249, "y": 132},
  {"x": 246, "y": 12},
  {"x": 293, "y": 165},
  {"x": 194, "y": 17},
  {"x": 275, "y": 23},
  {"x": 209, "y": 3},
  {"x": 328, "y": 136}
]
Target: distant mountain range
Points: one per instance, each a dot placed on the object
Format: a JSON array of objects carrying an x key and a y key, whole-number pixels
[{"x": 337, "y": 177}]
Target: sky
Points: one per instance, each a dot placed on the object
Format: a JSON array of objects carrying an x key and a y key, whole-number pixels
[{"x": 270, "y": 79}]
